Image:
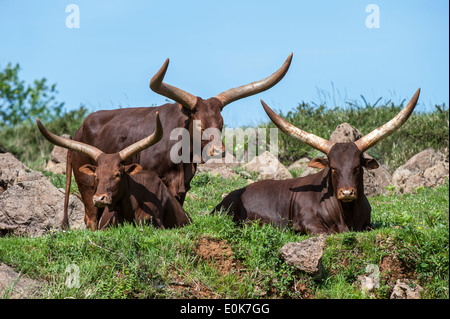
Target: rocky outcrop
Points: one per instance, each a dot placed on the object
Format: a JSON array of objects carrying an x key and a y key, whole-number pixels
[
  {"x": 427, "y": 168},
  {"x": 29, "y": 203}
]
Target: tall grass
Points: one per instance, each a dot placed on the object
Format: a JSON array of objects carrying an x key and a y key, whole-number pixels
[{"x": 26, "y": 142}]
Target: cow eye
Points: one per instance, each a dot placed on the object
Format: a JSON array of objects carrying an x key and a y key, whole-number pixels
[{"x": 117, "y": 175}]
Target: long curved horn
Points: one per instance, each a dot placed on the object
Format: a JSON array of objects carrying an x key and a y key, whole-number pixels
[
  {"x": 144, "y": 143},
  {"x": 256, "y": 87},
  {"x": 157, "y": 85},
  {"x": 369, "y": 140},
  {"x": 310, "y": 139},
  {"x": 86, "y": 149}
]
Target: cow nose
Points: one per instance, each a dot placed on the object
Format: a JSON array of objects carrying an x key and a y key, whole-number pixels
[
  {"x": 347, "y": 194},
  {"x": 101, "y": 200}
]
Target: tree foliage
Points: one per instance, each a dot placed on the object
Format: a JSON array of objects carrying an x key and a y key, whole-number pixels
[{"x": 21, "y": 102}]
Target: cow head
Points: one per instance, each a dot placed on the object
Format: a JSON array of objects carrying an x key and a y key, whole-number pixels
[
  {"x": 110, "y": 171},
  {"x": 346, "y": 163},
  {"x": 109, "y": 178},
  {"x": 207, "y": 112},
  {"x": 345, "y": 160}
]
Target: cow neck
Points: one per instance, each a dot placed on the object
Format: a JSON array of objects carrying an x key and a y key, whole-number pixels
[{"x": 126, "y": 202}]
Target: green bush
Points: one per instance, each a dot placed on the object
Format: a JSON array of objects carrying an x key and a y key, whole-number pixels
[
  {"x": 20, "y": 105},
  {"x": 29, "y": 146}
]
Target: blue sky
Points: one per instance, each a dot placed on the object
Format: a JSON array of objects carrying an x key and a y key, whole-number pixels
[{"x": 214, "y": 45}]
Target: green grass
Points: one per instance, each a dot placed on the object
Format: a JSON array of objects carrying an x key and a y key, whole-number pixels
[{"x": 145, "y": 262}]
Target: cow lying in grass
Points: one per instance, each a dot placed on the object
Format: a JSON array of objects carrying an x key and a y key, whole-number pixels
[
  {"x": 330, "y": 201},
  {"x": 127, "y": 192}
]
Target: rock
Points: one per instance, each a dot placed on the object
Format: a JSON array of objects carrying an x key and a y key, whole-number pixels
[
  {"x": 223, "y": 172},
  {"x": 437, "y": 173},
  {"x": 268, "y": 167},
  {"x": 305, "y": 255},
  {"x": 404, "y": 290},
  {"x": 367, "y": 284},
  {"x": 29, "y": 203},
  {"x": 34, "y": 207},
  {"x": 376, "y": 181},
  {"x": 345, "y": 133},
  {"x": 228, "y": 160},
  {"x": 13, "y": 285},
  {"x": 427, "y": 168},
  {"x": 223, "y": 168},
  {"x": 245, "y": 174},
  {"x": 58, "y": 159},
  {"x": 13, "y": 171},
  {"x": 301, "y": 166}
]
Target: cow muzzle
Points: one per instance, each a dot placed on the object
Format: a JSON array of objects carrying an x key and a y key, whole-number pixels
[
  {"x": 102, "y": 200},
  {"x": 347, "y": 194}
]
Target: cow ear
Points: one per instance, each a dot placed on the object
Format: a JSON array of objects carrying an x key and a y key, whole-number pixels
[
  {"x": 88, "y": 169},
  {"x": 133, "y": 169},
  {"x": 370, "y": 163},
  {"x": 319, "y": 162}
]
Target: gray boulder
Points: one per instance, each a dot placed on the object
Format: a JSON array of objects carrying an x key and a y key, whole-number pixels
[
  {"x": 58, "y": 159},
  {"x": 268, "y": 166},
  {"x": 30, "y": 204},
  {"x": 305, "y": 255},
  {"x": 13, "y": 285},
  {"x": 404, "y": 289},
  {"x": 13, "y": 171},
  {"x": 427, "y": 168}
]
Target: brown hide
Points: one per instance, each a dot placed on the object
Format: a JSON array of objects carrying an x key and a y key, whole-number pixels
[
  {"x": 146, "y": 200},
  {"x": 308, "y": 204}
]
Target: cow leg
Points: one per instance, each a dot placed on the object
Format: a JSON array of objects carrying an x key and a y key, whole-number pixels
[
  {"x": 309, "y": 224},
  {"x": 90, "y": 211},
  {"x": 174, "y": 187},
  {"x": 85, "y": 185}
]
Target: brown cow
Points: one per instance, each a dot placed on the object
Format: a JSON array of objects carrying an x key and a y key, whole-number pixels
[
  {"x": 330, "y": 201},
  {"x": 113, "y": 130},
  {"x": 127, "y": 192}
]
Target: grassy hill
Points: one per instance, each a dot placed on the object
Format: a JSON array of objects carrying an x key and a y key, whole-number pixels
[{"x": 213, "y": 258}]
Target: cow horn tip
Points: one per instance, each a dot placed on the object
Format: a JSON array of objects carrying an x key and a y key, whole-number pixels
[{"x": 265, "y": 106}]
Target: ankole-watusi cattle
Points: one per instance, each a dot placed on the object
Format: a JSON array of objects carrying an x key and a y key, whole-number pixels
[
  {"x": 330, "y": 201},
  {"x": 125, "y": 191},
  {"x": 113, "y": 130}
]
